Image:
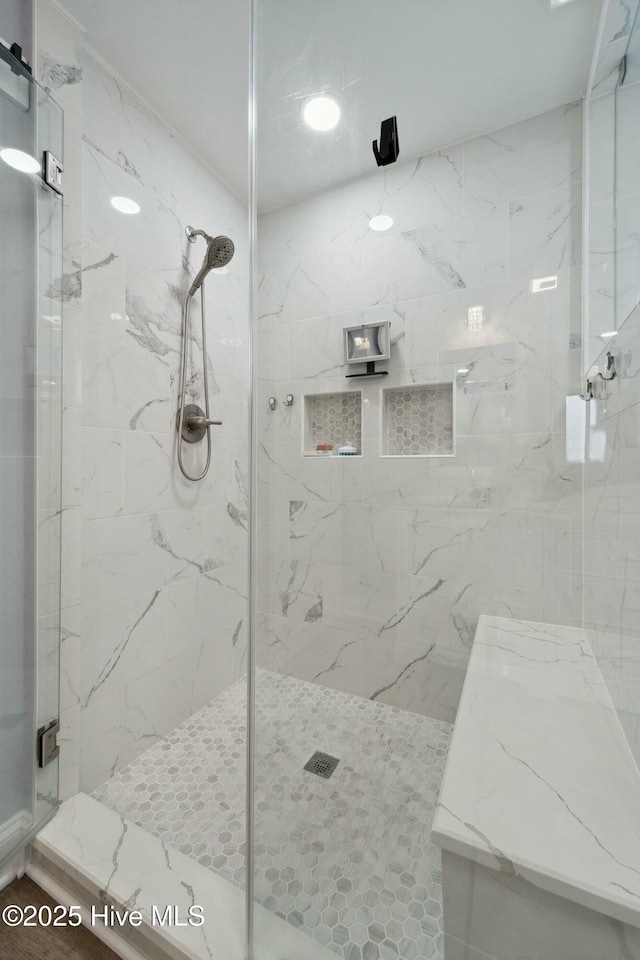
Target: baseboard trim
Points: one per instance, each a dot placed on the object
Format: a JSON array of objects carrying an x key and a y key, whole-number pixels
[
  {"x": 63, "y": 896},
  {"x": 20, "y": 822}
]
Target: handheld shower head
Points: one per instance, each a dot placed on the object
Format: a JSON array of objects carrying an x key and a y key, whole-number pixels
[
  {"x": 220, "y": 250},
  {"x": 192, "y": 422}
]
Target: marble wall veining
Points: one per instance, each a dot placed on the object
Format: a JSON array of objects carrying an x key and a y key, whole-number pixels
[
  {"x": 154, "y": 567},
  {"x": 372, "y": 572}
]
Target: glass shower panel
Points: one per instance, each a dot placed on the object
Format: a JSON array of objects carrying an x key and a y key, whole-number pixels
[
  {"x": 600, "y": 310},
  {"x": 611, "y": 502},
  {"x": 626, "y": 184},
  {"x": 611, "y": 263},
  {"x": 31, "y": 278},
  {"x": 417, "y": 334},
  {"x": 49, "y": 333},
  {"x": 345, "y": 782}
]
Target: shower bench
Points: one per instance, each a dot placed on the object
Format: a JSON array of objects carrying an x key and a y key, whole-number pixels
[{"x": 538, "y": 818}]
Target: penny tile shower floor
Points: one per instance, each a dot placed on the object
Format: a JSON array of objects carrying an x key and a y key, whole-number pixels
[{"x": 348, "y": 859}]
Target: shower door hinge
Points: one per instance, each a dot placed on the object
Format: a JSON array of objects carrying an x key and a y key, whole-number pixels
[
  {"x": 48, "y": 748},
  {"x": 52, "y": 172}
]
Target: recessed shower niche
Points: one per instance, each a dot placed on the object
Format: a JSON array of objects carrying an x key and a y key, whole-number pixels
[
  {"x": 332, "y": 422},
  {"x": 417, "y": 421}
]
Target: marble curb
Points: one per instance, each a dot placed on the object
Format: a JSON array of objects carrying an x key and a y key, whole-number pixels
[{"x": 91, "y": 848}]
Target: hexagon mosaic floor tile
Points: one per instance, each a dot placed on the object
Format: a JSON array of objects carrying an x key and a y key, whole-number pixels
[{"x": 347, "y": 859}]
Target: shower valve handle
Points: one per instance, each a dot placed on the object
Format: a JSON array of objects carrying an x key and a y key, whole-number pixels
[
  {"x": 198, "y": 423},
  {"x": 192, "y": 423}
]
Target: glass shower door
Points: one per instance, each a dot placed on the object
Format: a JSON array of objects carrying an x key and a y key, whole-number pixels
[
  {"x": 31, "y": 278},
  {"x": 416, "y": 338}
]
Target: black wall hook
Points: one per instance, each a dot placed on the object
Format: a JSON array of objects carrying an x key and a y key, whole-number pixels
[
  {"x": 389, "y": 147},
  {"x": 15, "y": 52}
]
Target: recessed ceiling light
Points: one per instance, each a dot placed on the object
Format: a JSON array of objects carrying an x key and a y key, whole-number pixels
[
  {"x": 321, "y": 113},
  {"x": 125, "y": 205},
  {"x": 608, "y": 334},
  {"x": 382, "y": 222},
  {"x": 20, "y": 160},
  {"x": 544, "y": 283}
]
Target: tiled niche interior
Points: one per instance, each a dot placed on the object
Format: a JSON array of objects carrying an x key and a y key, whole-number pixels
[
  {"x": 334, "y": 418},
  {"x": 417, "y": 421}
]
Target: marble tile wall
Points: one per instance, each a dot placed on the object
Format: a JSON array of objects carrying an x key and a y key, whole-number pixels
[
  {"x": 154, "y": 567},
  {"x": 372, "y": 572}
]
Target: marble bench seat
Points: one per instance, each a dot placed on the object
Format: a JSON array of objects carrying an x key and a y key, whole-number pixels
[{"x": 538, "y": 818}]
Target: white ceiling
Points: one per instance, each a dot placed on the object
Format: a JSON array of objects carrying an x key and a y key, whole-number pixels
[
  {"x": 448, "y": 69},
  {"x": 189, "y": 60}
]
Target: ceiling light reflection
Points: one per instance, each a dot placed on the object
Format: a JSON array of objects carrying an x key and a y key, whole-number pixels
[
  {"x": 20, "y": 160},
  {"x": 541, "y": 284},
  {"x": 321, "y": 113},
  {"x": 125, "y": 205},
  {"x": 382, "y": 222},
  {"x": 475, "y": 318}
]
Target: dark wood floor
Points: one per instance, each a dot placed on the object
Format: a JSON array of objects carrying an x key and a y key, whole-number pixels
[{"x": 45, "y": 943}]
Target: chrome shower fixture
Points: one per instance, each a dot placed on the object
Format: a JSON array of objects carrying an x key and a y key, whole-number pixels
[
  {"x": 220, "y": 251},
  {"x": 192, "y": 422}
]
